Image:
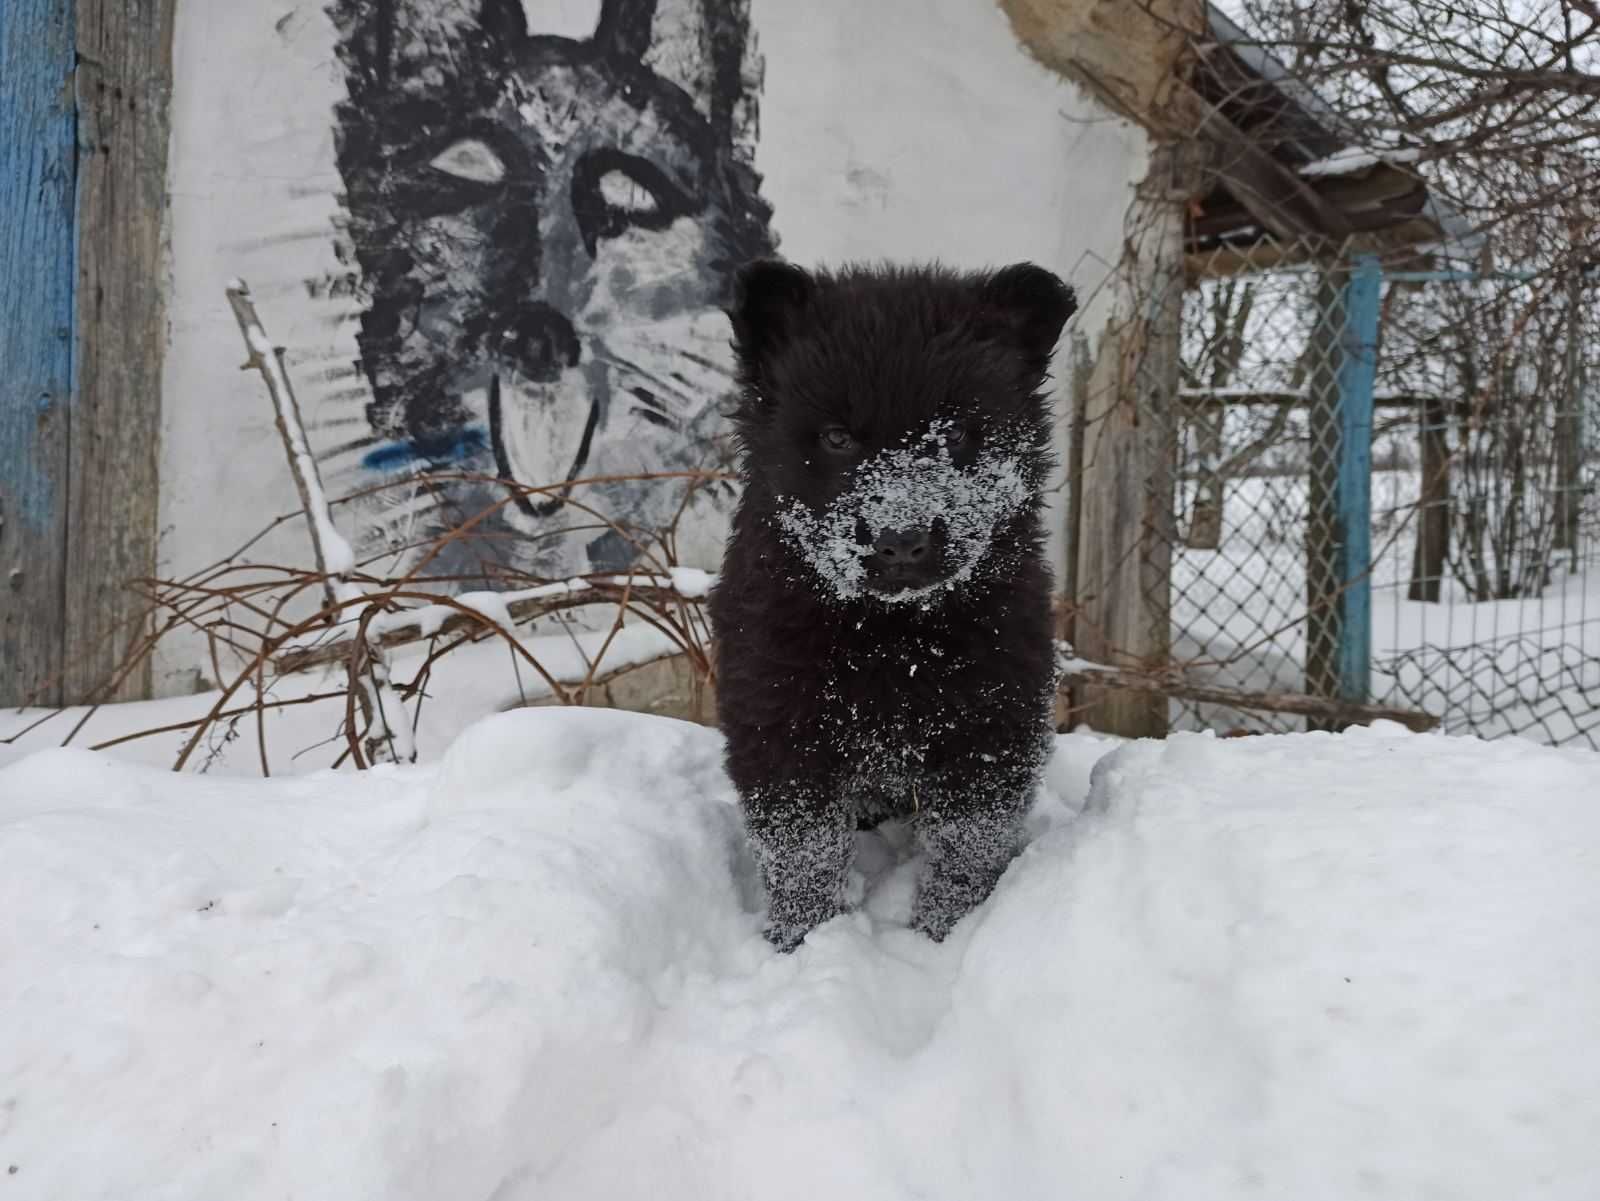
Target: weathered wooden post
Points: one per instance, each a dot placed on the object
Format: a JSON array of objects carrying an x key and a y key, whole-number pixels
[
  {"x": 1136, "y": 58},
  {"x": 124, "y": 85},
  {"x": 84, "y": 86},
  {"x": 37, "y": 169},
  {"x": 1433, "y": 501},
  {"x": 1569, "y": 430},
  {"x": 1126, "y": 527}
]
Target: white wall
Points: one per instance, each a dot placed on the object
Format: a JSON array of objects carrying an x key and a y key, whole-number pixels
[{"x": 905, "y": 129}]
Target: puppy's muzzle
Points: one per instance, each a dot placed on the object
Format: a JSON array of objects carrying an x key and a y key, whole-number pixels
[{"x": 907, "y": 558}]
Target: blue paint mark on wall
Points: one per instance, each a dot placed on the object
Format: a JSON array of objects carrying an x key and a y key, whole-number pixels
[
  {"x": 38, "y": 174},
  {"x": 452, "y": 449}
]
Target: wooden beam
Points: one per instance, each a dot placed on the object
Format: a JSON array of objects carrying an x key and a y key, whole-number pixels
[
  {"x": 1126, "y": 528},
  {"x": 1129, "y": 55},
  {"x": 124, "y": 89},
  {"x": 1203, "y": 398},
  {"x": 404, "y": 627},
  {"x": 1078, "y": 390},
  {"x": 1370, "y": 205},
  {"x": 1323, "y": 709},
  {"x": 1431, "y": 552},
  {"x": 1219, "y": 262},
  {"x": 1380, "y": 184},
  {"x": 1267, "y": 254},
  {"x": 1284, "y": 204},
  {"x": 37, "y": 171}
]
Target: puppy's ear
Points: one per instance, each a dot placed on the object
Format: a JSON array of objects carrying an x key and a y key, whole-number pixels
[
  {"x": 769, "y": 299},
  {"x": 1026, "y": 306}
]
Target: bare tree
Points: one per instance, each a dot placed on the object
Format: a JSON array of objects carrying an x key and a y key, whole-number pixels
[{"x": 1497, "y": 102}]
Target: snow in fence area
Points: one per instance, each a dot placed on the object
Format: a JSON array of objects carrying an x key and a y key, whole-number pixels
[
  {"x": 1528, "y": 665},
  {"x": 1307, "y": 966}
]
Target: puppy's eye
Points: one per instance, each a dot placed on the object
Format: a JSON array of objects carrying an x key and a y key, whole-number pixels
[{"x": 838, "y": 439}]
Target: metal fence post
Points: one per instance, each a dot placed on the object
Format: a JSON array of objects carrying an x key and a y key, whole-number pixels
[{"x": 1358, "y": 364}]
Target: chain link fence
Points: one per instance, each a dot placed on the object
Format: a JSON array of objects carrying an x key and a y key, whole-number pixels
[{"x": 1479, "y": 562}]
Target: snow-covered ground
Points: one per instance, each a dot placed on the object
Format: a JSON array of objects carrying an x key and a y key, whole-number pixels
[
  {"x": 303, "y": 735},
  {"x": 1303, "y": 966}
]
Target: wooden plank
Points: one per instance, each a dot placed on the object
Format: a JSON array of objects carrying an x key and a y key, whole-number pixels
[
  {"x": 1078, "y": 390},
  {"x": 36, "y": 237},
  {"x": 1126, "y": 528},
  {"x": 1329, "y": 711},
  {"x": 1373, "y": 200},
  {"x": 124, "y": 89},
  {"x": 1219, "y": 262},
  {"x": 1285, "y": 205},
  {"x": 1432, "y": 550},
  {"x": 1569, "y": 433},
  {"x": 408, "y": 626},
  {"x": 1130, "y": 56},
  {"x": 1207, "y": 398}
]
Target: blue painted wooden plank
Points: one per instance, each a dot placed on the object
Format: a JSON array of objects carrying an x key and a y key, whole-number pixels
[
  {"x": 38, "y": 168},
  {"x": 1358, "y": 365}
]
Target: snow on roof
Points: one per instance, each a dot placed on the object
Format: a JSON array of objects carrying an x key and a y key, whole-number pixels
[{"x": 1353, "y": 158}]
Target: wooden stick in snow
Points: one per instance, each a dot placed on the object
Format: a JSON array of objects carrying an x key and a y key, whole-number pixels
[{"x": 388, "y": 736}]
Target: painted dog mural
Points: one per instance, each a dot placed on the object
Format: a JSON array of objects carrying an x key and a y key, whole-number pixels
[{"x": 544, "y": 231}]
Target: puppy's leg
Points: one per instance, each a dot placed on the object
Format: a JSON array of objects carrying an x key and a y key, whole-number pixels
[
  {"x": 970, "y": 833},
  {"x": 803, "y": 850}
]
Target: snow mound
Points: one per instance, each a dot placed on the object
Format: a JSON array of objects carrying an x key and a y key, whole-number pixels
[{"x": 1307, "y": 966}]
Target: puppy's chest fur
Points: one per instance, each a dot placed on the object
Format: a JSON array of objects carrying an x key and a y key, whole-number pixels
[{"x": 890, "y": 686}]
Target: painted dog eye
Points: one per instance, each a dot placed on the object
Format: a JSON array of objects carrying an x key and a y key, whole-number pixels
[
  {"x": 613, "y": 192},
  {"x": 838, "y": 439},
  {"x": 470, "y": 159},
  {"x": 626, "y": 195}
]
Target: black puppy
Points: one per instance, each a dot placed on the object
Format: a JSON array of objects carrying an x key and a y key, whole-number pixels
[{"x": 883, "y": 616}]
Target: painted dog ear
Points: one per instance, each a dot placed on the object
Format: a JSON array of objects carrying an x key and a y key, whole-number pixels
[
  {"x": 400, "y": 46},
  {"x": 1026, "y": 306},
  {"x": 504, "y": 21},
  {"x": 769, "y": 300}
]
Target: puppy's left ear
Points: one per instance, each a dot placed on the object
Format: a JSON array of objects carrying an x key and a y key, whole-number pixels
[
  {"x": 1026, "y": 306},
  {"x": 770, "y": 299}
]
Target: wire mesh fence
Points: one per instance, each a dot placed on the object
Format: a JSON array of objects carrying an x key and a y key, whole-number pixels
[{"x": 1472, "y": 590}]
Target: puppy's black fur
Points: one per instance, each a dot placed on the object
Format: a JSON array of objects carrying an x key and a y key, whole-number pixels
[{"x": 883, "y": 616}]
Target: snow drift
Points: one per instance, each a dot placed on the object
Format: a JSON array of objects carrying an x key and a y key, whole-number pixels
[{"x": 1304, "y": 966}]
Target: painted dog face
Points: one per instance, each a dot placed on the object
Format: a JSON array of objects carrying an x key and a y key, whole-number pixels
[{"x": 546, "y": 229}]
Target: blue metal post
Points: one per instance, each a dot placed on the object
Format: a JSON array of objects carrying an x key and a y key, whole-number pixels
[{"x": 1358, "y": 365}]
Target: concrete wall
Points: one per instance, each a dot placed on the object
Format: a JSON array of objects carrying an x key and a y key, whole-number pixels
[{"x": 567, "y": 212}]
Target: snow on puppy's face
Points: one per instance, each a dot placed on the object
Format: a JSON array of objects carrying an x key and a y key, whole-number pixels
[
  {"x": 894, "y": 431},
  {"x": 912, "y": 521}
]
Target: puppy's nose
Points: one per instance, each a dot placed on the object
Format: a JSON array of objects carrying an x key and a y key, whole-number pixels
[{"x": 902, "y": 547}]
